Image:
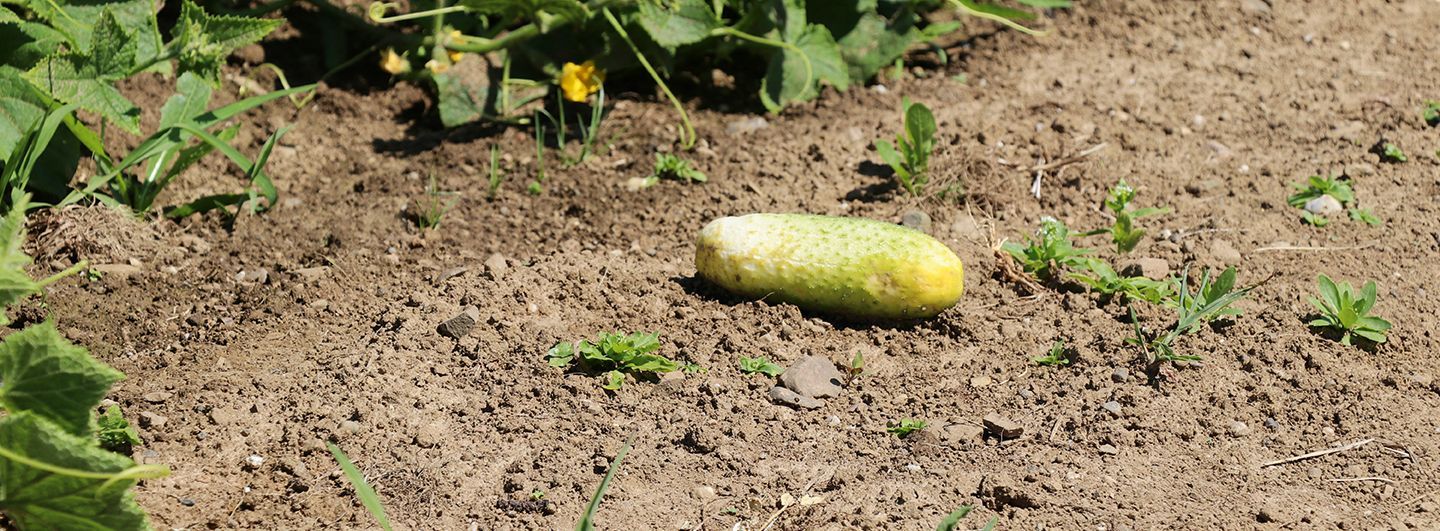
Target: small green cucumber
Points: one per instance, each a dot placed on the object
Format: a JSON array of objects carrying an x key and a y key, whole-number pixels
[{"x": 847, "y": 267}]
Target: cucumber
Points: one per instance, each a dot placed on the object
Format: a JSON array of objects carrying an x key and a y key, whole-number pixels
[{"x": 853, "y": 268}]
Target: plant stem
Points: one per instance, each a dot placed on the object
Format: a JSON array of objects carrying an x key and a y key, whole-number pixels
[
  {"x": 732, "y": 32},
  {"x": 687, "y": 137},
  {"x": 79, "y": 266}
]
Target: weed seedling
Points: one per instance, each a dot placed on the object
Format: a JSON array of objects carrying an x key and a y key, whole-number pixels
[
  {"x": 114, "y": 432},
  {"x": 951, "y": 522},
  {"x": 1364, "y": 215},
  {"x": 1123, "y": 231},
  {"x": 911, "y": 161},
  {"x": 1346, "y": 312},
  {"x": 1211, "y": 301},
  {"x": 431, "y": 210},
  {"x": 1098, "y": 276},
  {"x": 587, "y": 520},
  {"x": 1391, "y": 153},
  {"x": 1431, "y": 113},
  {"x": 615, "y": 354},
  {"x": 671, "y": 166},
  {"x": 495, "y": 177},
  {"x": 1049, "y": 251},
  {"x": 693, "y": 368},
  {"x": 1317, "y": 186},
  {"x": 1057, "y": 357},
  {"x": 904, "y": 427},
  {"x": 760, "y": 365},
  {"x": 856, "y": 368},
  {"x": 367, "y": 495}
]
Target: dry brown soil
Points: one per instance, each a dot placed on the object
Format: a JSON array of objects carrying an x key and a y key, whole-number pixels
[{"x": 317, "y": 321}]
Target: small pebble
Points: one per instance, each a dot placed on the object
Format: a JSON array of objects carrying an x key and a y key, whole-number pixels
[
  {"x": 1120, "y": 375},
  {"x": 254, "y": 461},
  {"x": 1112, "y": 406},
  {"x": 1107, "y": 449},
  {"x": 1239, "y": 429}
]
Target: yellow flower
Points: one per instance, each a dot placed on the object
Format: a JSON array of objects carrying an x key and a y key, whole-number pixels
[
  {"x": 393, "y": 63},
  {"x": 437, "y": 66},
  {"x": 454, "y": 55},
  {"x": 580, "y": 81}
]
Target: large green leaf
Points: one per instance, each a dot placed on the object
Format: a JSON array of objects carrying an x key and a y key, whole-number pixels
[
  {"x": 26, "y": 43},
  {"x": 201, "y": 41},
  {"x": 79, "y": 19},
  {"x": 50, "y": 479},
  {"x": 42, "y": 372},
  {"x": 20, "y": 110},
  {"x": 683, "y": 22},
  {"x": 86, "y": 79},
  {"x": 795, "y": 74},
  {"x": 191, "y": 99},
  {"x": 868, "y": 39}
]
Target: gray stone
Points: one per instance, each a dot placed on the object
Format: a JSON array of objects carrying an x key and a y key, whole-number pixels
[
  {"x": 495, "y": 266},
  {"x": 1120, "y": 375},
  {"x": 1152, "y": 268},
  {"x": 1226, "y": 253},
  {"x": 747, "y": 125},
  {"x": 781, "y": 395},
  {"x": 1112, "y": 407},
  {"x": 1239, "y": 429},
  {"x": 152, "y": 420},
  {"x": 1255, "y": 7},
  {"x": 1001, "y": 426},
  {"x": 957, "y": 434},
  {"x": 157, "y": 397},
  {"x": 1108, "y": 449},
  {"x": 813, "y": 377},
  {"x": 460, "y": 325},
  {"x": 916, "y": 219},
  {"x": 1324, "y": 205}
]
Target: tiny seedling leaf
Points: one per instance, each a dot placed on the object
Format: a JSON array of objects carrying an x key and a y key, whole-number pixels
[{"x": 367, "y": 495}]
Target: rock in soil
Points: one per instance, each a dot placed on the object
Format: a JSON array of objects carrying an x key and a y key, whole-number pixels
[
  {"x": 460, "y": 325},
  {"x": 1224, "y": 252},
  {"x": 916, "y": 219},
  {"x": 1001, "y": 426},
  {"x": 1107, "y": 449},
  {"x": 495, "y": 266},
  {"x": 959, "y": 434},
  {"x": 1152, "y": 268},
  {"x": 781, "y": 395},
  {"x": 813, "y": 377},
  {"x": 1324, "y": 205},
  {"x": 1112, "y": 407}
]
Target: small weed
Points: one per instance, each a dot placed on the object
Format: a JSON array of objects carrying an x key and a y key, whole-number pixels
[
  {"x": 537, "y": 494},
  {"x": 1431, "y": 113},
  {"x": 616, "y": 354},
  {"x": 1211, "y": 301},
  {"x": 114, "y": 432},
  {"x": 911, "y": 161},
  {"x": 760, "y": 365},
  {"x": 671, "y": 166},
  {"x": 1049, "y": 251},
  {"x": 693, "y": 368},
  {"x": 1346, "y": 312},
  {"x": 1364, "y": 215},
  {"x": 1098, "y": 276},
  {"x": 1123, "y": 231},
  {"x": 367, "y": 495},
  {"x": 904, "y": 427},
  {"x": 1389, "y": 152},
  {"x": 951, "y": 522},
  {"x": 495, "y": 177},
  {"x": 1057, "y": 357},
  {"x": 1316, "y": 186},
  {"x": 857, "y": 366},
  {"x": 587, "y": 520},
  {"x": 430, "y": 211}
]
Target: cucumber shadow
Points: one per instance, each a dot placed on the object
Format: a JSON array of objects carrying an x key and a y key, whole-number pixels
[{"x": 700, "y": 288}]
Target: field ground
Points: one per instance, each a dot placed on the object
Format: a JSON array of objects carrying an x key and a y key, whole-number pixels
[{"x": 318, "y": 320}]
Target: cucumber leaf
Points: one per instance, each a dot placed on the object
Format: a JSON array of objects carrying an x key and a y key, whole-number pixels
[
  {"x": 42, "y": 372},
  {"x": 51, "y": 479}
]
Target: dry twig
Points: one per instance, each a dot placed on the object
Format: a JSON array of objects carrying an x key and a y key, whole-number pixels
[{"x": 1318, "y": 453}]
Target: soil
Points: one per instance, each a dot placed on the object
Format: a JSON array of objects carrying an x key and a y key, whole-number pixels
[{"x": 317, "y": 321}]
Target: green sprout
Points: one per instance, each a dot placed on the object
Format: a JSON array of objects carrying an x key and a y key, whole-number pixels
[
  {"x": 1392, "y": 153},
  {"x": 904, "y": 427},
  {"x": 1123, "y": 231},
  {"x": 760, "y": 365},
  {"x": 911, "y": 161},
  {"x": 495, "y": 176},
  {"x": 114, "y": 432},
  {"x": 857, "y": 366},
  {"x": 671, "y": 166},
  {"x": 1097, "y": 275},
  {"x": 1211, "y": 301},
  {"x": 1346, "y": 312},
  {"x": 431, "y": 210},
  {"x": 615, "y": 354},
  {"x": 1431, "y": 113},
  {"x": 1056, "y": 357},
  {"x": 1049, "y": 251}
]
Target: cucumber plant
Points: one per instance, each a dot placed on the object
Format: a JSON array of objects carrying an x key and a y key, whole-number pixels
[{"x": 54, "y": 472}]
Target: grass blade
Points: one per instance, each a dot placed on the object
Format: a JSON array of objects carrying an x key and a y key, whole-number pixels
[
  {"x": 953, "y": 519},
  {"x": 587, "y": 520},
  {"x": 367, "y": 495}
]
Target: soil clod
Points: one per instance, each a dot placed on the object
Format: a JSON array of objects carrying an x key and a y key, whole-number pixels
[
  {"x": 1001, "y": 426},
  {"x": 813, "y": 377},
  {"x": 460, "y": 325},
  {"x": 781, "y": 395}
]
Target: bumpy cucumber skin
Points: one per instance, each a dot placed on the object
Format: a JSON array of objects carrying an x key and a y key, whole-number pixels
[{"x": 848, "y": 267}]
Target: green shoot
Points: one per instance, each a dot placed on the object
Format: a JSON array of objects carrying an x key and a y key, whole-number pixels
[
  {"x": 951, "y": 521},
  {"x": 114, "y": 432},
  {"x": 760, "y": 365},
  {"x": 495, "y": 177},
  {"x": 1347, "y": 313},
  {"x": 536, "y": 187},
  {"x": 857, "y": 366},
  {"x": 1050, "y": 251},
  {"x": 367, "y": 495},
  {"x": 587, "y": 520},
  {"x": 904, "y": 427},
  {"x": 671, "y": 166},
  {"x": 1098, "y": 276},
  {"x": 1364, "y": 215},
  {"x": 1123, "y": 231},
  {"x": 1211, "y": 301},
  {"x": 1056, "y": 357},
  {"x": 615, "y": 354},
  {"x": 911, "y": 161},
  {"x": 537, "y": 494},
  {"x": 1316, "y": 186},
  {"x": 431, "y": 210},
  {"x": 1391, "y": 153},
  {"x": 693, "y": 368},
  {"x": 1431, "y": 113}
]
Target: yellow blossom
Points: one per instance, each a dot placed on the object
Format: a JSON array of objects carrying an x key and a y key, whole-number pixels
[
  {"x": 437, "y": 66},
  {"x": 580, "y": 81},
  {"x": 393, "y": 63},
  {"x": 454, "y": 55}
]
